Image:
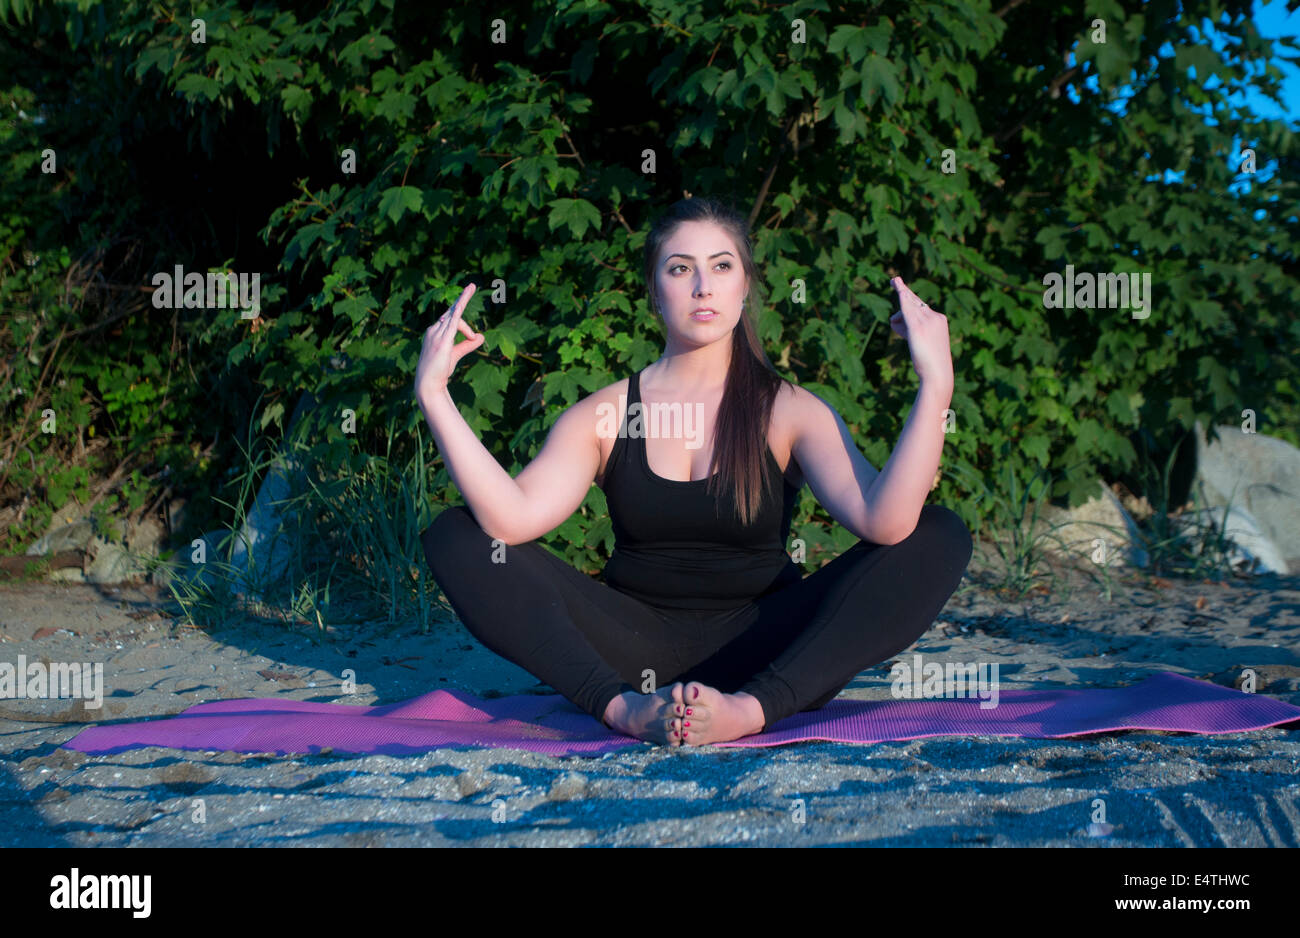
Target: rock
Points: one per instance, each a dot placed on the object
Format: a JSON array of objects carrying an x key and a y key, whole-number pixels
[
  {"x": 1101, "y": 517},
  {"x": 144, "y": 537},
  {"x": 71, "y": 512},
  {"x": 1260, "y": 475},
  {"x": 162, "y": 575},
  {"x": 113, "y": 563},
  {"x": 183, "y": 571},
  {"x": 75, "y": 536},
  {"x": 568, "y": 786},
  {"x": 8, "y": 515},
  {"x": 471, "y": 782},
  {"x": 261, "y": 549},
  {"x": 1248, "y": 548},
  {"x": 1275, "y": 678},
  {"x": 1137, "y": 506},
  {"x": 66, "y": 575},
  {"x": 176, "y": 510}
]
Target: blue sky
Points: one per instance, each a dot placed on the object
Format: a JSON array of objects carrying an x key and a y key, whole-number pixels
[{"x": 1273, "y": 20}]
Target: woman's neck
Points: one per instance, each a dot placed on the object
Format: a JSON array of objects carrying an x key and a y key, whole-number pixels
[{"x": 689, "y": 373}]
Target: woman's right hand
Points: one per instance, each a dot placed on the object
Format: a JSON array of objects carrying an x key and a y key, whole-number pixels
[{"x": 440, "y": 353}]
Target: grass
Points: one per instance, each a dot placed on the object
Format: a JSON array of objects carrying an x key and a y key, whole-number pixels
[
  {"x": 1024, "y": 558},
  {"x": 1199, "y": 550},
  {"x": 350, "y": 549}
]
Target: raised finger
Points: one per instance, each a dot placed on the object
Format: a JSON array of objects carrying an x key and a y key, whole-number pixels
[
  {"x": 905, "y": 295},
  {"x": 462, "y": 301},
  {"x": 919, "y": 305},
  {"x": 905, "y": 291},
  {"x": 453, "y": 311}
]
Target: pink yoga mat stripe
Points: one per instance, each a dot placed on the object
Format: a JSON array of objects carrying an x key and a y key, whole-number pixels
[{"x": 551, "y": 725}]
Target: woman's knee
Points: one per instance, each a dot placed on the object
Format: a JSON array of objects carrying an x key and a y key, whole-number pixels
[
  {"x": 453, "y": 518},
  {"x": 943, "y": 529},
  {"x": 449, "y": 530}
]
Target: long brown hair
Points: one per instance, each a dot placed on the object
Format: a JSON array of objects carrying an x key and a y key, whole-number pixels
[{"x": 740, "y": 437}]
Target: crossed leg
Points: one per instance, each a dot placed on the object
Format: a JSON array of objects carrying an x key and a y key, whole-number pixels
[
  {"x": 584, "y": 638},
  {"x": 795, "y": 649},
  {"x": 791, "y": 650}
]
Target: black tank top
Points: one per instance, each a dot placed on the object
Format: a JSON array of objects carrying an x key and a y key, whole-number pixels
[{"x": 677, "y": 546}]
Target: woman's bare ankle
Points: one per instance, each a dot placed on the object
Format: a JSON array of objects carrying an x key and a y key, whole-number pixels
[
  {"x": 615, "y": 711},
  {"x": 646, "y": 716}
]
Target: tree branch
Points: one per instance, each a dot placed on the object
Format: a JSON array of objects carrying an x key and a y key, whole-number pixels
[
  {"x": 583, "y": 166},
  {"x": 771, "y": 170}
]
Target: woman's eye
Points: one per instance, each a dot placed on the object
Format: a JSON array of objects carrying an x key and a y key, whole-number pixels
[{"x": 726, "y": 264}]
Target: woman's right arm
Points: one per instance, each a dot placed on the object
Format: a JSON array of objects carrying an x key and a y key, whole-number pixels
[
  {"x": 489, "y": 491},
  {"x": 547, "y": 491}
]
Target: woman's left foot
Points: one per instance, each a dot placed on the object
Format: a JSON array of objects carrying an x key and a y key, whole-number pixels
[{"x": 711, "y": 716}]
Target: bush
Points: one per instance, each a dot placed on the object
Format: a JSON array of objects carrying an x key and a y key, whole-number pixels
[{"x": 386, "y": 153}]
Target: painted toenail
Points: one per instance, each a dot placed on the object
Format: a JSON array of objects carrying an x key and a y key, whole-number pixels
[
  {"x": 689, "y": 711},
  {"x": 688, "y": 723},
  {"x": 697, "y": 692}
]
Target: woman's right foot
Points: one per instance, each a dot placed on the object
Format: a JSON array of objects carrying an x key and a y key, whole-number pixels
[{"x": 652, "y": 717}]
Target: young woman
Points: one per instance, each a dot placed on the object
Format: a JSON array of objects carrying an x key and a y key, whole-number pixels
[{"x": 701, "y": 606}]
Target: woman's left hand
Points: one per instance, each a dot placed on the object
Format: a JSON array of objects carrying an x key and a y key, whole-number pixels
[{"x": 926, "y": 332}]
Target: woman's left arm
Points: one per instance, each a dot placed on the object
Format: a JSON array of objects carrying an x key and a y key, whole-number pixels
[{"x": 897, "y": 495}]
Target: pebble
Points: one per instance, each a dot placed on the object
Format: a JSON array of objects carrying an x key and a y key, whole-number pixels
[{"x": 568, "y": 786}]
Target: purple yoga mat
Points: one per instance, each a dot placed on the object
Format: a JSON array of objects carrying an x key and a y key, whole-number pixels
[{"x": 550, "y": 724}]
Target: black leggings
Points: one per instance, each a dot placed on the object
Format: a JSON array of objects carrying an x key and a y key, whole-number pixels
[{"x": 793, "y": 649}]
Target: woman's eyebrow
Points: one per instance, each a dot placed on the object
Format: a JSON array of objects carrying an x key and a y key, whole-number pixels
[{"x": 690, "y": 257}]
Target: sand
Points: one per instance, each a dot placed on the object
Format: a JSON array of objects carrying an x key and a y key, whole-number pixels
[{"x": 1158, "y": 789}]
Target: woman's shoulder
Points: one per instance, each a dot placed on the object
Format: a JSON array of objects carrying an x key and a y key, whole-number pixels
[
  {"x": 793, "y": 403},
  {"x": 609, "y": 395},
  {"x": 798, "y": 412},
  {"x": 614, "y": 389},
  {"x": 800, "y": 402},
  {"x": 601, "y": 402}
]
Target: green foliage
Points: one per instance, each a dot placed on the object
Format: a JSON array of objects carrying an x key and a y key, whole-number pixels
[{"x": 522, "y": 163}]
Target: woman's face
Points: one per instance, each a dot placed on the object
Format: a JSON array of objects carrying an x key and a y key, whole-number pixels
[{"x": 699, "y": 266}]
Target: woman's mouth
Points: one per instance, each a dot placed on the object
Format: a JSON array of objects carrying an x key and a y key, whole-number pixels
[{"x": 704, "y": 315}]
